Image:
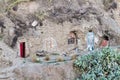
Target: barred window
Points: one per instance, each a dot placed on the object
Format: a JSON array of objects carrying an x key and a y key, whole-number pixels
[{"x": 71, "y": 41}]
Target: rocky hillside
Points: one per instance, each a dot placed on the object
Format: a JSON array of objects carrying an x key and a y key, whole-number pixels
[
  {"x": 46, "y": 25},
  {"x": 38, "y": 18}
]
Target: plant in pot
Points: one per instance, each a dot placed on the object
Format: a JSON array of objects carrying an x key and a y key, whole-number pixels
[
  {"x": 60, "y": 59},
  {"x": 47, "y": 58}
]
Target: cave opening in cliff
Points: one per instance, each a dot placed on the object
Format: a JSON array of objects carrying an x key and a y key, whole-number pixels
[{"x": 72, "y": 37}]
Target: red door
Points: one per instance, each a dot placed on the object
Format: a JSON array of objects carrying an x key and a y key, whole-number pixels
[{"x": 22, "y": 49}]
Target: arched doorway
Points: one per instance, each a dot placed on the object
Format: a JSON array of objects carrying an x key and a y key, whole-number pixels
[
  {"x": 72, "y": 38},
  {"x": 50, "y": 44}
]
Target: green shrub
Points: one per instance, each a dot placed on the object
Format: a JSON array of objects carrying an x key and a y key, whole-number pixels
[{"x": 99, "y": 65}]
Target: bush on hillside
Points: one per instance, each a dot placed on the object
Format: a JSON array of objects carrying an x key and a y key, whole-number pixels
[{"x": 99, "y": 65}]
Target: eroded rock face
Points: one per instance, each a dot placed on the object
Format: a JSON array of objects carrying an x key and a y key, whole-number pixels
[{"x": 56, "y": 19}]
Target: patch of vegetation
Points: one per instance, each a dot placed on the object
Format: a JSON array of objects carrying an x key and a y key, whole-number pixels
[
  {"x": 15, "y": 2},
  {"x": 55, "y": 54},
  {"x": 50, "y": 1},
  {"x": 41, "y": 15},
  {"x": 1, "y": 36},
  {"x": 107, "y": 3},
  {"x": 2, "y": 6},
  {"x": 99, "y": 65}
]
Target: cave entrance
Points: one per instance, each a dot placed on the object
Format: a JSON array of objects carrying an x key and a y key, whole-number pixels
[
  {"x": 72, "y": 38},
  {"x": 105, "y": 39}
]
